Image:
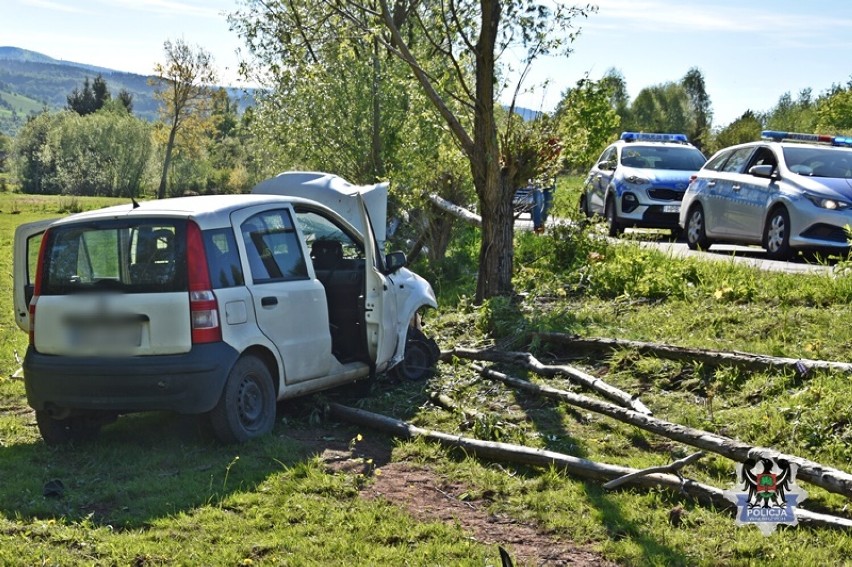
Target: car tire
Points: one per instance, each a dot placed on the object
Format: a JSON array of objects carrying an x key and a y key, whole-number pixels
[
  {"x": 695, "y": 230},
  {"x": 421, "y": 354},
  {"x": 615, "y": 228},
  {"x": 584, "y": 206},
  {"x": 776, "y": 235},
  {"x": 246, "y": 409},
  {"x": 78, "y": 428}
]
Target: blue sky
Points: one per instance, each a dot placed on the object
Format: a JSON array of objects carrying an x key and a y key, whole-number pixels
[{"x": 749, "y": 52}]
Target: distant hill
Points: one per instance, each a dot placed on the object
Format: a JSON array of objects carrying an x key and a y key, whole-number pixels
[{"x": 31, "y": 82}]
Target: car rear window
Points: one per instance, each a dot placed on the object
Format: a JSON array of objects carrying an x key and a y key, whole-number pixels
[{"x": 130, "y": 256}]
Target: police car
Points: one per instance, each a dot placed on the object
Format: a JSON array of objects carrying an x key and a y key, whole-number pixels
[
  {"x": 788, "y": 192},
  {"x": 639, "y": 181}
]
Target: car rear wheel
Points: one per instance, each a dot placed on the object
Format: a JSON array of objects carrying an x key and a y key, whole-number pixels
[
  {"x": 776, "y": 235},
  {"x": 696, "y": 233},
  {"x": 615, "y": 228},
  {"x": 247, "y": 407},
  {"x": 77, "y": 428}
]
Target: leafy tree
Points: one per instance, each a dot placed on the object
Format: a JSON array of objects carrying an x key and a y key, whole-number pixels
[
  {"x": 183, "y": 89},
  {"x": 834, "y": 111},
  {"x": 614, "y": 83},
  {"x": 91, "y": 98},
  {"x": 799, "y": 115},
  {"x": 105, "y": 153},
  {"x": 699, "y": 131},
  {"x": 452, "y": 50},
  {"x": 587, "y": 120},
  {"x": 661, "y": 108},
  {"x": 126, "y": 99},
  {"x": 744, "y": 129}
]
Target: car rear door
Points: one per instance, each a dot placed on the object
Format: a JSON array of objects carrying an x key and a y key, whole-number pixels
[
  {"x": 25, "y": 263},
  {"x": 289, "y": 303}
]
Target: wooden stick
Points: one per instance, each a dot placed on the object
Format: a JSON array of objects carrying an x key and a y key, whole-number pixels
[{"x": 673, "y": 468}]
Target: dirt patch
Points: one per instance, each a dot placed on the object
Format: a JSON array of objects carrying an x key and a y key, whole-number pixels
[{"x": 428, "y": 497}]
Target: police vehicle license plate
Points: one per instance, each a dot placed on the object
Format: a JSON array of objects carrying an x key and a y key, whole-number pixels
[{"x": 671, "y": 208}]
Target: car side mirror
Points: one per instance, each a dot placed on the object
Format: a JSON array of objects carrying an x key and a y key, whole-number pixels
[
  {"x": 395, "y": 261},
  {"x": 766, "y": 171}
]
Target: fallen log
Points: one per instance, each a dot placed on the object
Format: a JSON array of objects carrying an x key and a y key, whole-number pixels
[
  {"x": 455, "y": 210},
  {"x": 800, "y": 366},
  {"x": 831, "y": 479},
  {"x": 576, "y": 466},
  {"x": 530, "y": 362}
]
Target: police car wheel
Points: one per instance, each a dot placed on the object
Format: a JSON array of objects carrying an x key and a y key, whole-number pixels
[
  {"x": 776, "y": 235},
  {"x": 696, "y": 234},
  {"x": 615, "y": 228}
]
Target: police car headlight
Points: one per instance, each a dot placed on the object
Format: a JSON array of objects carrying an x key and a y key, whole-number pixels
[
  {"x": 825, "y": 203},
  {"x": 636, "y": 180}
]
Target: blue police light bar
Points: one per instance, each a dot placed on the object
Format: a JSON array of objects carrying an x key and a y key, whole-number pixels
[
  {"x": 777, "y": 136},
  {"x": 653, "y": 137}
]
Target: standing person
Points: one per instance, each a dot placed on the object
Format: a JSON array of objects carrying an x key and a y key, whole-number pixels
[{"x": 537, "y": 209}]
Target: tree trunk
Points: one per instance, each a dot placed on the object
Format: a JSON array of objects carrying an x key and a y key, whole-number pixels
[
  {"x": 496, "y": 252},
  {"x": 167, "y": 160}
]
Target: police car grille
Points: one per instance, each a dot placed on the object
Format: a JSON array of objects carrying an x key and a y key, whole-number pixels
[{"x": 665, "y": 194}]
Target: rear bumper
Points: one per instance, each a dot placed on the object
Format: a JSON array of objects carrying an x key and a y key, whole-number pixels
[{"x": 185, "y": 383}]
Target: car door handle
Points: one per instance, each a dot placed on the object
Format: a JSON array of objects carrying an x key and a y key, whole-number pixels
[
  {"x": 735, "y": 187},
  {"x": 269, "y": 301},
  {"x": 711, "y": 184}
]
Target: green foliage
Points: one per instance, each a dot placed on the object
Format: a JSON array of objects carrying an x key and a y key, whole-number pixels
[
  {"x": 586, "y": 122},
  {"x": 834, "y": 111},
  {"x": 746, "y": 128},
  {"x": 799, "y": 115},
  {"x": 105, "y": 153}
]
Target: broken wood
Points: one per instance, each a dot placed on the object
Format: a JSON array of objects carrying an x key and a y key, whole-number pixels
[
  {"x": 576, "y": 466},
  {"x": 831, "y": 479},
  {"x": 455, "y": 210},
  {"x": 800, "y": 366},
  {"x": 530, "y": 362},
  {"x": 673, "y": 468}
]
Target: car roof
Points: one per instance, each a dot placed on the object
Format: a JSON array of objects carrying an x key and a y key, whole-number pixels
[
  {"x": 209, "y": 211},
  {"x": 643, "y": 143}
]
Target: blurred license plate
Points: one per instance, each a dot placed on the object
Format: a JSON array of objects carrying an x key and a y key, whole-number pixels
[
  {"x": 671, "y": 208},
  {"x": 105, "y": 334}
]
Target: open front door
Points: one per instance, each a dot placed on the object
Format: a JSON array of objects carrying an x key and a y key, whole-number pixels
[
  {"x": 27, "y": 244},
  {"x": 379, "y": 307}
]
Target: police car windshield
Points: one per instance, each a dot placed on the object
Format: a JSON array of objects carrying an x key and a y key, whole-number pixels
[
  {"x": 819, "y": 162},
  {"x": 662, "y": 157}
]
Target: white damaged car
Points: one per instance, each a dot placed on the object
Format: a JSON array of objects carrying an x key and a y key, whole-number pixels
[{"x": 216, "y": 305}]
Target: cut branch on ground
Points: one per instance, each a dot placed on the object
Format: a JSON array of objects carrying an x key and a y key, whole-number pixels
[
  {"x": 527, "y": 360},
  {"x": 575, "y": 466},
  {"x": 747, "y": 360},
  {"x": 828, "y": 478}
]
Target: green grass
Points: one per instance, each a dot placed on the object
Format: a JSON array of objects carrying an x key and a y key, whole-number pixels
[{"x": 154, "y": 489}]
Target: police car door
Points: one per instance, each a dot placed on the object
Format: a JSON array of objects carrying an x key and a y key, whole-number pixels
[
  {"x": 600, "y": 178},
  {"x": 379, "y": 303}
]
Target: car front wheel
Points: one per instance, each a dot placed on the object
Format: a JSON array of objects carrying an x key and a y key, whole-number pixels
[
  {"x": 696, "y": 233},
  {"x": 247, "y": 407},
  {"x": 776, "y": 235},
  {"x": 421, "y": 354},
  {"x": 615, "y": 228}
]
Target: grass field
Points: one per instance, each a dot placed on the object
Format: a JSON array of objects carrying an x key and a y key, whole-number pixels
[{"x": 155, "y": 489}]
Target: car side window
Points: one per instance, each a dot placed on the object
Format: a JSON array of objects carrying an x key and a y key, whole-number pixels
[
  {"x": 762, "y": 156},
  {"x": 317, "y": 227},
  {"x": 737, "y": 160},
  {"x": 223, "y": 259},
  {"x": 272, "y": 246},
  {"x": 607, "y": 160},
  {"x": 716, "y": 162}
]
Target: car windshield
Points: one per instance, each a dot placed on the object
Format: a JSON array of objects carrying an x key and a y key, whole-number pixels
[
  {"x": 819, "y": 162},
  {"x": 662, "y": 157}
]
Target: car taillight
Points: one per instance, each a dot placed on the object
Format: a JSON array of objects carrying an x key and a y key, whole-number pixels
[
  {"x": 203, "y": 308},
  {"x": 37, "y": 285}
]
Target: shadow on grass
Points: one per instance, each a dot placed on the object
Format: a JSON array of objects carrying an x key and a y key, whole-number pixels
[{"x": 147, "y": 466}]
